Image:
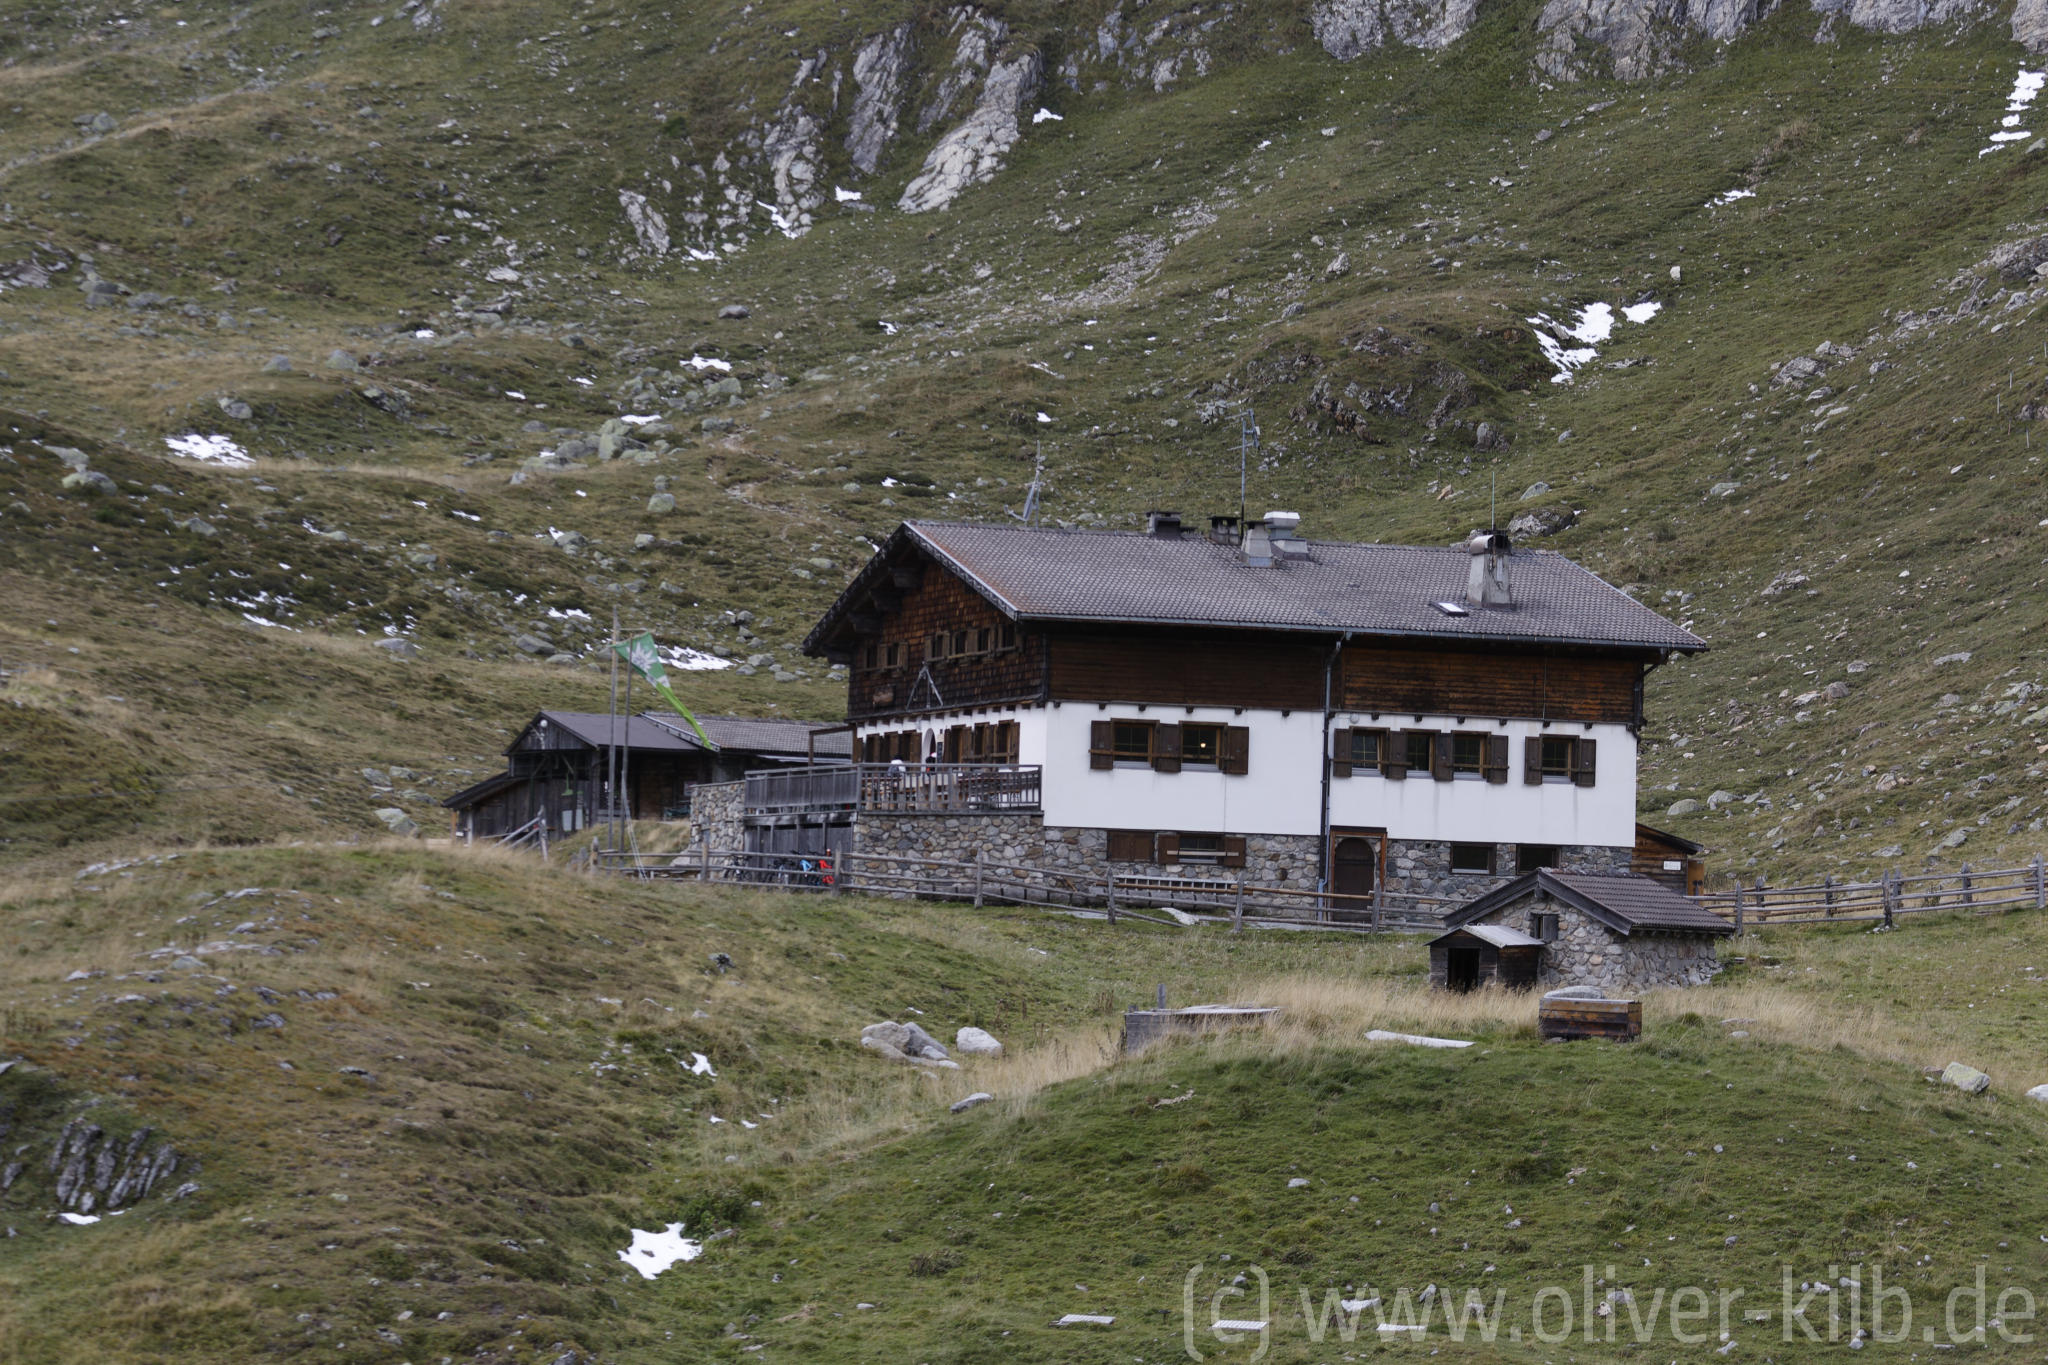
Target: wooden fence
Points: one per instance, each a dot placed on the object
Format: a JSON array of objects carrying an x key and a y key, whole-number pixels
[
  {"x": 990, "y": 883},
  {"x": 1884, "y": 900}
]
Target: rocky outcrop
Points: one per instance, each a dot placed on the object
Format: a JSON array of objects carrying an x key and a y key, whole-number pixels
[
  {"x": 1155, "y": 52},
  {"x": 1351, "y": 28},
  {"x": 973, "y": 151},
  {"x": 2030, "y": 25},
  {"x": 977, "y": 39},
  {"x": 1640, "y": 37},
  {"x": 881, "y": 74},
  {"x": 650, "y": 229},
  {"x": 1901, "y": 16}
]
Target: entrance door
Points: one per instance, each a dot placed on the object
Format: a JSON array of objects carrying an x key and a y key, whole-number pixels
[
  {"x": 1461, "y": 969},
  {"x": 1354, "y": 870}
]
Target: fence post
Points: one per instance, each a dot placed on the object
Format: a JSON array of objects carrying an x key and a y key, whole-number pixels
[
  {"x": 2040, "y": 885},
  {"x": 705, "y": 875},
  {"x": 1738, "y": 907},
  {"x": 1237, "y": 911},
  {"x": 1891, "y": 896},
  {"x": 839, "y": 872},
  {"x": 977, "y": 879},
  {"x": 1111, "y": 885},
  {"x": 1379, "y": 900},
  {"x": 1828, "y": 891},
  {"x": 1969, "y": 895}
]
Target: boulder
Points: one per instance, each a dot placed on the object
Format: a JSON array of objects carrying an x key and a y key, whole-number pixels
[
  {"x": 918, "y": 1043},
  {"x": 974, "y": 1042},
  {"x": 237, "y": 409},
  {"x": 1798, "y": 370},
  {"x": 1685, "y": 806},
  {"x": 978, "y": 1098},
  {"x": 199, "y": 526},
  {"x": 398, "y": 822},
  {"x": 2039, "y": 1092},
  {"x": 2018, "y": 260},
  {"x": 89, "y": 481},
  {"x": 533, "y": 644},
  {"x": 1967, "y": 1079},
  {"x": 735, "y": 312},
  {"x": 1545, "y": 521},
  {"x": 661, "y": 503},
  {"x": 398, "y": 648},
  {"x": 908, "y": 1039},
  {"x": 277, "y": 364}
]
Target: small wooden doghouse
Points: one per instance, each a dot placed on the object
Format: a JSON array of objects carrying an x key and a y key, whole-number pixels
[
  {"x": 1475, "y": 955},
  {"x": 1664, "y": 857},
  {"x": 1615, "y": 931}
]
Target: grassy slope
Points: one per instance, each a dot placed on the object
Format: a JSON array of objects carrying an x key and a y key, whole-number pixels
[{"x": 526, "y": 1106}]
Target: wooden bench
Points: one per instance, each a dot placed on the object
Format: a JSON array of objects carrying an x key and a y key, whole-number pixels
[{"x": 1566, "y": 1017}]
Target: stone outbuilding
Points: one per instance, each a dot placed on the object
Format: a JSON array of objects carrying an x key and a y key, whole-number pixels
[{"x": 1617, "y": 932}]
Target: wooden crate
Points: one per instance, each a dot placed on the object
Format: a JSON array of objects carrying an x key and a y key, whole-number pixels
[{"x": 1620, "y": 1020}]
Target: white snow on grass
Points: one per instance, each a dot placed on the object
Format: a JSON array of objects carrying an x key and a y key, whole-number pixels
[
  {"x": 700, "y": 1065},
  {"x": 888, "y": 328},
  {"x": 572, "y": 614},
  {"x": 582, "y": 382},
  {"x": 653, "y": 1252},
  {"x": 1047, "y": 116},
  {"x": 1044, "y": 417},
  {"x": 845, "y": 196},
  {"x": 1590, "y": 328},
  {"x": 687, "y": 660},
  {"x": 706, "y": 362},
  {"x": 79, "y": 1219},
  {"x": 698, "y": 255},
  {"x": 634, "y": 419},
  {"x": 515, "y": 395},
  {"x": 213, "y": 449},
  {"x": 1380, "y": 1035},
  {"x": 2025, "y": 87},
  {"x": 1729, "y": 197}
]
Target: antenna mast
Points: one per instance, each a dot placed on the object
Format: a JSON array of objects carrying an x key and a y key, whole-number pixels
[
  {"x": 1247, "y": 441},
  {"x": 1030, "y": 513}
]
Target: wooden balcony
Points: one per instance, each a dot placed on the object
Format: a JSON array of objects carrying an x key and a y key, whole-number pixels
[{"x": 900, "y": 788}]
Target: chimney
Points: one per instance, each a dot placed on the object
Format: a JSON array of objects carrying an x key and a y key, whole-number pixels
[
  {"x": 1164, "y": 525},
  {"x": 1258, "y": 544},
  {"x": 1223, "y": 530},
  {"x": 1286, "y": 543},
  {"x": 1486, "y": 584}
]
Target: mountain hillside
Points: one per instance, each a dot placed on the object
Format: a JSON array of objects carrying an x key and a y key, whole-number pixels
[{"x": 358, "y": 365}]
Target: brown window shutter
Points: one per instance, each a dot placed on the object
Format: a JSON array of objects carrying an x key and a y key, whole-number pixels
[
  {"x": 1582, "y": 762},
  {"x": 1532, "y": 761},
  {"x": 1169, "y": 850},
  {"x": 1440, "y": 756},
  {"x": 1394, "y": 755},
  {"x": 1497, "y": 758},
  {"x": 937, "y": 649},
  {"x": 1233, "y": 850},
  {"x": 1102, "y": 744},
  {"x": 1130, "y": 846},
  {"x": 1166, "y": 748},
  {"x": 1340, "y": 753},
  {"x": 1237, "y": 750}
]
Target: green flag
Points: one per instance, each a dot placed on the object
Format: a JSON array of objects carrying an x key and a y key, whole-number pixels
[{"x": 645, "y": 660}]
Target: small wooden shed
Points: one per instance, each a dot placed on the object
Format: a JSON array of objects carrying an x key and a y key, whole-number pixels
[
  {"x": 1664, "y": 857},
  {"x": 1617, "y": 932},
  {"x": 1475, "y": 955}
]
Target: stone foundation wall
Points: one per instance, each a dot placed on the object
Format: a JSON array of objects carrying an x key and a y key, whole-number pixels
[
  {"x": 1423, "y": 867},
  {"x": 715, "y": 814},
  {"x": 999, "y": 838},
  {"x": 1587, "y": 953}
]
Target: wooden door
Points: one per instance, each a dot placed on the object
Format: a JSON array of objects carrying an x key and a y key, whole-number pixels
[
  {"x": 1354, "y": 870},
  {"x": 1461, "y": 967}
]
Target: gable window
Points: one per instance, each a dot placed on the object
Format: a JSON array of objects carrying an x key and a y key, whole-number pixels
[
  {"x": 874, "y": 654},
  {"x": 936, "y": 649},
  {"x": 1006, "y": 635},
  {"x": 959, "y": 642},
  {"x": 1559, "y": 758},
  {"x": 1530, "y": 857},
  {"x": 1543, "y": 925},
  {"x": 1202, "y": 745},
  {"x": 892, "y": 655},
  {"x": 1472, "y": 858}
]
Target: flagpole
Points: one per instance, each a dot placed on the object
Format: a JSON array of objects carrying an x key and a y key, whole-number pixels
[
  {"x": 611, "y": 758},
  {"x": 625, "y": 759}
]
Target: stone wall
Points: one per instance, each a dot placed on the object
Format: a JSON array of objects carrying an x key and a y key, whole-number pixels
[
  {"x": 1422, "y": 867},
  {"x": 1588, "y": 953},
  {"x": 715, "y": 814}
]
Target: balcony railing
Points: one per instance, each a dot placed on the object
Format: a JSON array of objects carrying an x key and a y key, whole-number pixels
[{"x": 903, "y": 788}]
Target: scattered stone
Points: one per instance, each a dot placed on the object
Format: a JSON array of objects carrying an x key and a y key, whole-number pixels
[
  {"x": 1720, "y": 798},
  {"x": 1798, "y": 370},
  {"x": 1535, "y": 490},
  {"x": 735, "y": 312},
  {"x": 2039, "y": 1092},
  {"x": 907, "y": 1039},
  {"x": 981, "y": 1097},
  {"x": 661, "y": 503},
  {"x": 1961, "y": 656},
  {"x": 277, "y": 364},
  {"x": 1967, "y": 1079},
  {"x": 533, "y": 644},
  {"x": 976, "y": 1042},
  {"x": 237, "y": 409},
  {"x": 1957, "y": 837},
  {"x": 199, "y": 526},
  {"x": 1546, "y": 521},
  {"x": 1682, "y": 807},
  {"x": 1300, "y": 1182},
  {"x": 100, "y": 124},
  {"x": 1835, "y": 691},
  {"x": 1293, "y": 310},
  {"x": 1890, "y": 851},
  {"x": 89, "y": 481},
  {"x": 1088, "y": 1320},
  {"x": 1338, "y": 266},
  {"x": 1723, "y": 489},
  {"x": 398, "y": 648}
]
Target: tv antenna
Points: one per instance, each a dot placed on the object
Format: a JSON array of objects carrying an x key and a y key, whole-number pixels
[
  {"x": 1247, "y": 442},
  {"x": 1029, "y": 516}
]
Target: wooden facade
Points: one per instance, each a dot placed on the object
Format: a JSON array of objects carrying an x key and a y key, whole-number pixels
[
  {"x": 1187, "y": 668},
  {"x": 926, "y": 632},
  {"x": 1528, "y": 684},
  {"x": 1666, "y": 858}
]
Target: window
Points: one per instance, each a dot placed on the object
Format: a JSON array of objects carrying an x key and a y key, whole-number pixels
[
  {"x": 892, "y": 656},
  {"x": 1468, "y": 754},
  {"x": 1202, "y": 744},
  {"x": 1366, "y": 747},
  {"x": 1474, "y": 858},
  {"x": 874, "y": 654},
  {"x": 1529, "y": 857},
  {"x": 1212, "y": 850},
  {"x": 1160, "y": 746},
  {"x": 1006, "y": 635},
  {"x": 1543, "y": 925},
  {"x": 937, "y": 647},
  {"x": 1420, "y": 749},
  {"x": 1363, "y": 751},
  {"x": 1201, "y": 848},
  {"x": 982, "y": 637},
  {"x": 1133, "y": 741},
  {"x": 1558, "y": 758},
  {"x": 959, "y": 645}
]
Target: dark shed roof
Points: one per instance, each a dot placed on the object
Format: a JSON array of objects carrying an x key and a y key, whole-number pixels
[
  {"x": 1667, "y": 838},
  {"x": 1129, "y": 578},
  {"x": 1624, "y": 902},
  {"x": 665, "y": 732}
]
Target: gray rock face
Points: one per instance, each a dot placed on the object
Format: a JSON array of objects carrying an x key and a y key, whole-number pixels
[
  {"x": 1545, "y": 521},
  {"x": 94, "y": 1169},
  {"x": 398, "y": 822},
  {"x": 650, "y": 229},
  {"x": 881, "y": 70},
  {"x": 2018, "y": 260},
  {"x": 978, "y": 37},
  {"x": 2030, "y": 31},
  {"x": 1900, "y": 16},
  {"x": 1351, "y": 28},
  {"x": 973, "y": 152},
  {"x": 794, "y": 147}
]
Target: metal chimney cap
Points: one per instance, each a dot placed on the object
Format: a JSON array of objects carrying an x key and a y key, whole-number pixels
[
  {"x": 1487, "y": 543},
  {"x": 1283, "y": 523}
]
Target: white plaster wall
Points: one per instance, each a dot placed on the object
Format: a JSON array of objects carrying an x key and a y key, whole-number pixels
[
  {"x": 1282, "y": 792},
  {"x": 1472, "y": 810}
]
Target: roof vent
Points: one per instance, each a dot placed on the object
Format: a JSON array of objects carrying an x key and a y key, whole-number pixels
[
  {"x": 1258, "y": 544},
  {"x": 1223, "y": 530},
  {"x": 1486, "y": 584},
  {"x": 1286, "y": 544},
  {"x": 1165, "y": 525}
]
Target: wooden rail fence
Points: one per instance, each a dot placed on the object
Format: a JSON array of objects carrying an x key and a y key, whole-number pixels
[
  {"x": 983, "y": 882},
  {"x": 1884, "y": 900}
]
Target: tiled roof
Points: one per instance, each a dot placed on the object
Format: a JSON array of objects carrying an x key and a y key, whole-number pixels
[
  {"x": 666, "y": 732},
  {"x": 1125, "y": 577},
  {"x": 1624, "y": 902}
]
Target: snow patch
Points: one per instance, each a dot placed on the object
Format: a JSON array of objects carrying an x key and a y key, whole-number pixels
[
  {"x": 80, "y": 1219},
  {"x": 1590, "y": 327},
  {"x": 687, "y": 660},
  {"x": 653, "y": 1252},
  {"x": 700, "y": 1065},
  {"x": 845, "y": 196},
  {"x": 1729, "y": 197},
  {"x": 705, "y": 362},
  {"x": 634, "y": 419},
  {"x": 1047, "y": 116},
  {"x": 2025, "y": 87},
  {"x": 214, "y": 449}
]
